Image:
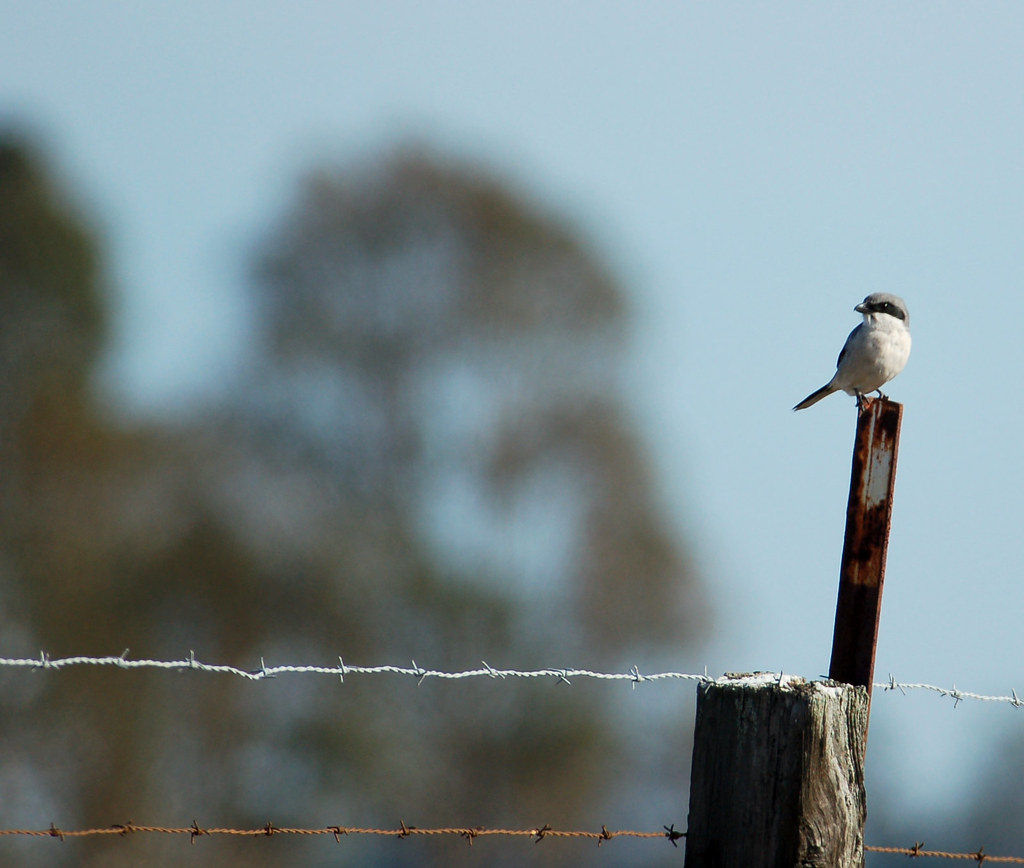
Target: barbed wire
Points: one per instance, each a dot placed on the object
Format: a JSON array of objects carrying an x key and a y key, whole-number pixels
[
  {"x": 44, "y": 661},
  {"x": 952, "y": 692},
  {"x": 918, "y": 851},
  {"x": 469, "y": 833},
  {"x": 633, "y": 675},
  {"x": 194, "y": 831}
]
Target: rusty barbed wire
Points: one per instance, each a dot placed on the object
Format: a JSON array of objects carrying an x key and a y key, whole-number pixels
[
  {"x": 918, "y": 852},
  {"x": 669, "y": 833},
  {"x": 634, "y": 676},
  {"x": 470, "y": 833}
]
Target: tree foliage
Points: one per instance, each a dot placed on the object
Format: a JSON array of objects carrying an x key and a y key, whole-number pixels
[
  {"x": 455, "y": 354},
  {"x": 428, "y": 457}
]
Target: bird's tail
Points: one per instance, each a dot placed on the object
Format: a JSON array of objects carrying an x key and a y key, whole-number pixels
[{"x": 814, "y": 397}]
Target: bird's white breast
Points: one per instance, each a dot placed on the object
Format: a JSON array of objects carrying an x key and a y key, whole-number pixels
[{"x": 875, "y": 354}]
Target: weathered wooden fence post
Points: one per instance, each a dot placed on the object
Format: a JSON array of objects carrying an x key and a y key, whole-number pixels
[
  {"x": 778, "y": 764},
  {"x": 778, "y": 774}
]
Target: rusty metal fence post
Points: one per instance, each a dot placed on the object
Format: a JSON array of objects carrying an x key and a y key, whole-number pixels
[{"x": 867, "y": 540}]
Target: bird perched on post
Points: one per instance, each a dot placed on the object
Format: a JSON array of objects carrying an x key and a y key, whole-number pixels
[{"x": 874, "y": 353}]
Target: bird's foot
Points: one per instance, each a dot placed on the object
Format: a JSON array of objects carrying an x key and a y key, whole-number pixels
[{"x": 880, "y": 395}]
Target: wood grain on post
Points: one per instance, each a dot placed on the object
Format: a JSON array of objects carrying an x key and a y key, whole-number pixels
[
  {"x": 778, "y": 774},
  {"x": 868, "y": 513}
]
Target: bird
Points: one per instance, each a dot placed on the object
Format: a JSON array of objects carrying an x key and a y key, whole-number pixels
[{"x": 875, "y": 352}]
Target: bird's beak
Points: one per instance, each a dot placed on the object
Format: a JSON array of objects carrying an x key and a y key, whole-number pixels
[{"x": 862, "y": 308}]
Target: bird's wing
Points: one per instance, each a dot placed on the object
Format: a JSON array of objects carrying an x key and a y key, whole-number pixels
[{"x": 849, "y": 342}]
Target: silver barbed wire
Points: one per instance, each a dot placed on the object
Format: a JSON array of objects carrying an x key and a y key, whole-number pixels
[
  {"x": 421, "y": 674},
  {"x": 563, "y": 674}
]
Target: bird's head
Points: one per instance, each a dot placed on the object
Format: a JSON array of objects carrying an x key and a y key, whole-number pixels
[{"x": 884, "y": 304}]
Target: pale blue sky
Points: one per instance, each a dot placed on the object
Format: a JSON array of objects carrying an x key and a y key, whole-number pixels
[{"x": 751, "y": 169}]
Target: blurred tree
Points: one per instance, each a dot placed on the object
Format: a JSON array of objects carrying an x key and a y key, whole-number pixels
[
  {"x": 454, "y": 357},
  {"x": 51, "y": 323},
  {"x": 430, "y": 457},
  {"x": 51, "y": 437}
]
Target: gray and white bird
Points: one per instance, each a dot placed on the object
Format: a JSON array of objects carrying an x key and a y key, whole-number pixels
[{"x": 874, "y": 353}]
